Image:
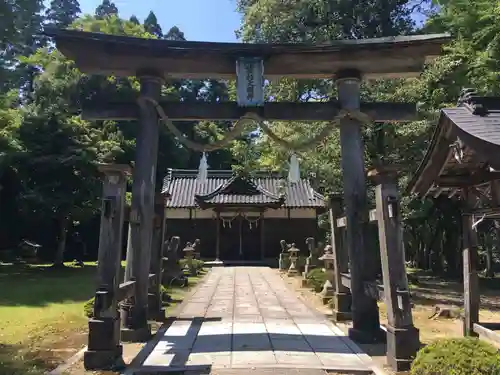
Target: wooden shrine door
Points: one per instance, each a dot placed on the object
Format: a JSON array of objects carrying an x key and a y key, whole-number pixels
[
  {"x": 251, "y": 238},
  {"x": 229, "y": 239}
]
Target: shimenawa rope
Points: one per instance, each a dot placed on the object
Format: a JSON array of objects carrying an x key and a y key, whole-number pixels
[{"x": 253, "y": 118}]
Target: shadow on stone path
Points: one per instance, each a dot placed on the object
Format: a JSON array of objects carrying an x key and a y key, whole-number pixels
[{"x": 247, "y": 318}]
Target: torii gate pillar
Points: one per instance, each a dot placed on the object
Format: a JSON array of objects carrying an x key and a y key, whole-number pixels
[
  {"x": 364, "y": 309},
  {"x": 135, "y": 310}
]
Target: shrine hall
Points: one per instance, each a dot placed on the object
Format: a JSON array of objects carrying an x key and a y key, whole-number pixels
[{"x": 240, "y": 218}]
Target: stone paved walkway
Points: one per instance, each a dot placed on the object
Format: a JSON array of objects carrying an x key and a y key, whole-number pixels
[{"x": 246, "y": 317}]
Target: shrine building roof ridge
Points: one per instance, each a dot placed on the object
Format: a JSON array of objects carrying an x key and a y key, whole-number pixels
[
  {"x": 471, "y": 129},
  {"x": 99, "y": 53},
  {"x": 236, "y": 47},
  {"x": 237, "y": 190},
  {"x": 222, "y": 187}
]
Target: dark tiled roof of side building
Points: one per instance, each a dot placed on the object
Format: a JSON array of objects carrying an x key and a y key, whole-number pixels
[
  {"x": 475, "y": 121},
  {"x": 183, "y": 186}
]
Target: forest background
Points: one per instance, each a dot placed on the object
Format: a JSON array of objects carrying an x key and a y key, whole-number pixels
[{"x": 49, "y": 185}]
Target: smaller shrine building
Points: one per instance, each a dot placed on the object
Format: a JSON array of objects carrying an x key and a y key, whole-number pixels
[{"x": 240, "y": 218}]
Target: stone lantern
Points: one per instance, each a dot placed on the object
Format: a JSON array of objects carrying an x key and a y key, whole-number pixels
[
  {"x": 294, "y": 255},
  {"x": 189, "y": 256},
  {"x": 328, "y": 258}
]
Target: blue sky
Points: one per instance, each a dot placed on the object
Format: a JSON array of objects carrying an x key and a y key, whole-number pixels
[{"x": 200, "y": 20}]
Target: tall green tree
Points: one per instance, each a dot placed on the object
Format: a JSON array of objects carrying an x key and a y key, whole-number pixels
[
  {"x": 62, "y": 13},
  {"x": 106, "y": 9},
  {"x": 134, "y": 19},
  {"x": 21, "y": 22},
  {"x": 152, "y": 26},
  {"x": 57, "y": 165},
  {"x": 322, "y": 20},
  {"x": 471, "y": 60},
  {"x": 58, "y": 152},
  {"x": 174, "y": 34},
  {"x": 10, "y": 120}
]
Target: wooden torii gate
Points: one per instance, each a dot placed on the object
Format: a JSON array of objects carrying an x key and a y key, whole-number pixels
[{"x": 152, "y": 61}]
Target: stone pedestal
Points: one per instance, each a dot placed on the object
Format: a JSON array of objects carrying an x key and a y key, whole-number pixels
[
  {"x": 103, "y": 352},
  {"x": 327, "y": 292},
  {"x": 365, "y": 336},
  {"x": 284, "y": 262},
  {"x": 309, "y": 266},
  {"x": 142, "y": 334},
  {"x": 341, "y": 307},
  {"x": 328, "y": 289},
  {"x": 342, "y": 300},
  {"x": 402, "y": 345}
]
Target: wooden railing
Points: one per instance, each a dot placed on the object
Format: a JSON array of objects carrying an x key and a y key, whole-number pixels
[
  {"x": 127, "y": 288},
  {"x": 355, "y": 278},
  {"x": 486, "y": 331}
]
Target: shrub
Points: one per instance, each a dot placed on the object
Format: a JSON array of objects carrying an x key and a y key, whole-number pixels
[
  {"x": 7, "y": 255},
  {"x": 165, "y": 297},
  {"x": 88, "y": 308},
  {"x": 197, "y": 263},
  {"x": 463, "y": 356},
  {"x": 316, "y": 279}
]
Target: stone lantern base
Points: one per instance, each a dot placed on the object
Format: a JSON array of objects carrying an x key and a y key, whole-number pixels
[{"x": 292, "y": 272}]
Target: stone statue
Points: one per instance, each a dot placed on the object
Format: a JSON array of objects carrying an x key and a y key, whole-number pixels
[
  {"x": 171, "y": 266},
  {"x": 283, "y": 262},
  {"x": 294, "y": 255},
  {"x": 196, "y": 247},
  {"x": 311, "y": 261}
]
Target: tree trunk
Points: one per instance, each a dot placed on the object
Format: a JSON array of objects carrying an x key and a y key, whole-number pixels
[
  {"x": 61, "y": 245},
  {"x": 451, "y": 250},
  {"x": 489, "y": 262},
  {"x": 432, "y": 253},
  {"x": 437, "y": 252}
]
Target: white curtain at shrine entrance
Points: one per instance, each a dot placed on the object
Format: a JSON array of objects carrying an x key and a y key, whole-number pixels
[{"x": 244, "y": 224}]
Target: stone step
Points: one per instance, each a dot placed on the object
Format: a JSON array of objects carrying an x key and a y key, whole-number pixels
[{"x": 247, "y": 371}]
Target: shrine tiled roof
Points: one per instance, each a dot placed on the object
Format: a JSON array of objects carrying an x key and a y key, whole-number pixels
[
  {"x": 465, "y": 142},
  {"x": 223, "y": 188}
]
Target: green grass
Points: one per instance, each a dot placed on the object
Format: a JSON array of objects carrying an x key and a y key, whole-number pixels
[
  {"x": 177, "y": 294},
  {"x": 316, "y": 278},
  {"x": 41, "y": 309}
]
